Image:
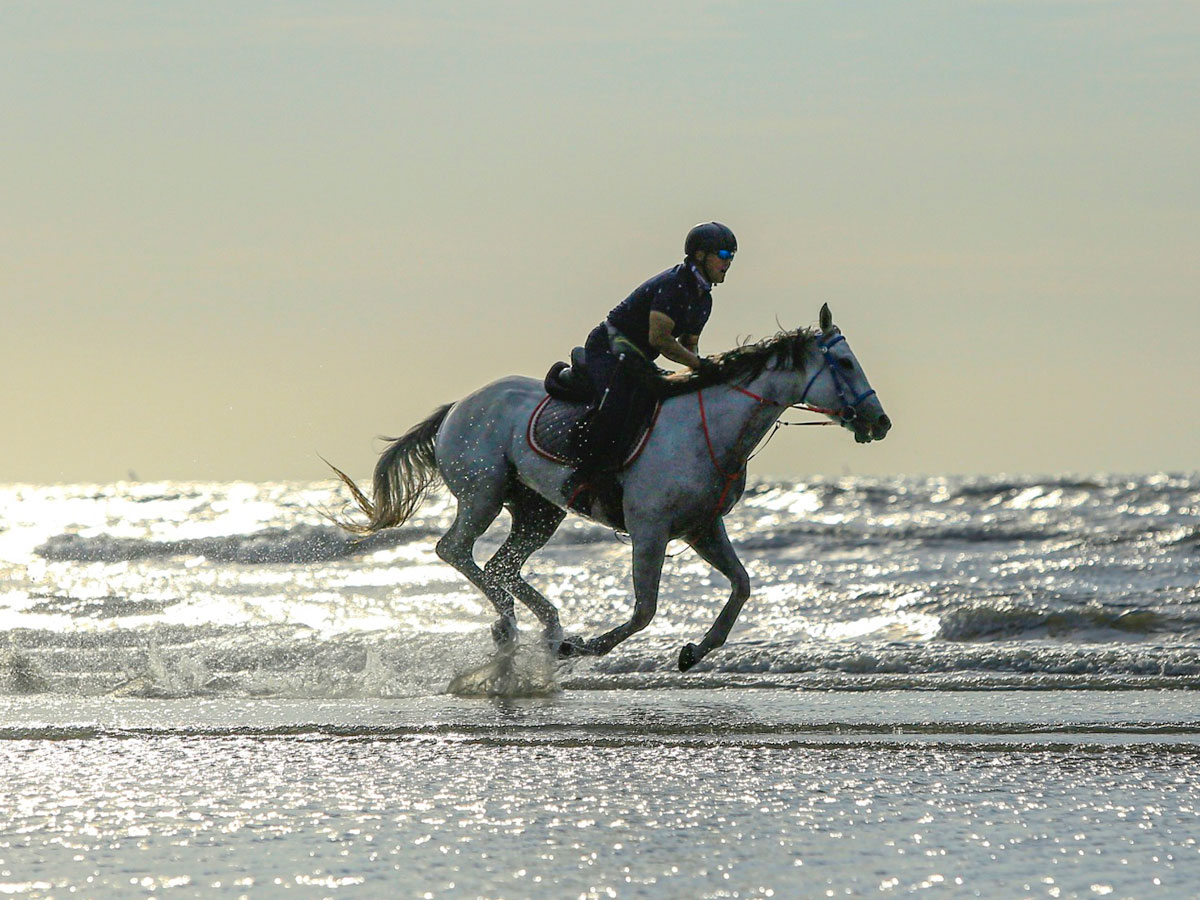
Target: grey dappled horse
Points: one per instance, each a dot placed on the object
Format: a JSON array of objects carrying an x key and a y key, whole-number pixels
[{"x": 690, "y": 473}]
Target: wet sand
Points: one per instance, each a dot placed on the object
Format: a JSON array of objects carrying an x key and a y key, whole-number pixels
[{"x": 669, "y": 793}]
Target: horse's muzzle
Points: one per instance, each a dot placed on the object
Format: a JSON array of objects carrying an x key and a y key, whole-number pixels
[{"x": 866, "y": 431}]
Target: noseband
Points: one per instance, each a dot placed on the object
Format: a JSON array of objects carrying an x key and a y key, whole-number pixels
[{"x": 846, "y": 396}]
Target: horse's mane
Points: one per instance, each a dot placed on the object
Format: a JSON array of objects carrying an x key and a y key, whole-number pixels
[{"x": 787, "y": 349}]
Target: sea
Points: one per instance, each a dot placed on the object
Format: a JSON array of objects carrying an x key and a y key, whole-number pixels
[{"x": 941, "y": 686}]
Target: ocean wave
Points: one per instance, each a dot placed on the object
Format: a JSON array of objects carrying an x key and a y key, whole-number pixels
[
  {"x": 877, "y": 534},
  {"x": 997, "y": 490},
  {"x": 179, "y": 662},
  {"x": 278, "y": 662},
  {"x": 1189, "y": 539},
  {"x": 992, "y": 532},
  {"x": 994, "y": 619},
  {"x": 1032, "y": 583},
  {"x": 307, "y": 544},
  {"x": 105, "y": 607},
  {"x": 1030, "y": 733},
  {"x": 279, "y": 546},
  {"x": 901, "y": 665}
]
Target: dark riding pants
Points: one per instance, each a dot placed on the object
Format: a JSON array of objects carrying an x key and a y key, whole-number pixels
[{"x": 624, "y": 402}]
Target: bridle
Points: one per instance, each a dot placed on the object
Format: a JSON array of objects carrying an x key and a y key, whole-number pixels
[
  {"x": 847, "y": 413},
  {"x": 846, "y": 396}
]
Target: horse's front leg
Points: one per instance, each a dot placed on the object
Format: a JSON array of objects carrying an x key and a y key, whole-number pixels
[
  {"x": 714, "y": 548},
  {"x": 649, "y": 549}
]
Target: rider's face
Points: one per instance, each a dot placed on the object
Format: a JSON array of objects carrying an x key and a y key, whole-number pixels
[{"x": 713, "y": 267}]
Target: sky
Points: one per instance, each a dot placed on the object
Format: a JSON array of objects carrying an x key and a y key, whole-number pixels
[{"x": 237, "y": 235}]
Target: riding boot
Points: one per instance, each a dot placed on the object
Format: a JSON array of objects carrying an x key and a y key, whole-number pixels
[
  {"x": 576, "y": 490},
  {"x": 608, "y": 492},
  {"x": 590, "y": 486}
]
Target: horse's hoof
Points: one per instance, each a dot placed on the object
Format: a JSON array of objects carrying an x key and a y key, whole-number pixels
[
  {"x": 688, "y": 657},
  {"x": 504, "y": 632}
]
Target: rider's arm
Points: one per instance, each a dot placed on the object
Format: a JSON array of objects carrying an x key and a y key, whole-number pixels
[{"x": 661, "y": 340}]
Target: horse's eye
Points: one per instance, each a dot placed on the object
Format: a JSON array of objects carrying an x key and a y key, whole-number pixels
[{"x": 846, "y": 365}]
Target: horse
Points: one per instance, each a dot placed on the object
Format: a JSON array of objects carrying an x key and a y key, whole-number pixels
[{"x": 690, "y": 473}]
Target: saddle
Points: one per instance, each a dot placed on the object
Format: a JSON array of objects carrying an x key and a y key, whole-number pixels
[
  {"x": 558, "y": 421},
  {"x": 570, "y": 382},
  {"x": 557, "y": 431},
  {"x": 554, "y": 433}
]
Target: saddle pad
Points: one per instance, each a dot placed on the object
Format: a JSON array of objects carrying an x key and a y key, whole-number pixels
[
  {"x": 551, "y": 425},
  {"x": 550, "y": 429}
]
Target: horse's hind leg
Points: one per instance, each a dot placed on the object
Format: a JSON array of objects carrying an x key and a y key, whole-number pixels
[
  {"x": 476, "y": 511},
  {"x": 534, "y": 520}
]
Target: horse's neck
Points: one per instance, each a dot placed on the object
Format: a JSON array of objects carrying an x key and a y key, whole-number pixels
[{"x": 737, "y": 420}]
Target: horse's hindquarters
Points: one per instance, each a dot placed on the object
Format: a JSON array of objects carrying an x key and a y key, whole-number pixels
[{"x": 484, "y": 441}]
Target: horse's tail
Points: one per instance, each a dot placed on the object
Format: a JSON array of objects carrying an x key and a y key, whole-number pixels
[{"x": 405, "y": 472}]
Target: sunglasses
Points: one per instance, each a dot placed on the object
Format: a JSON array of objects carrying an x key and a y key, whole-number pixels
[{"x": 726, "y": 254}]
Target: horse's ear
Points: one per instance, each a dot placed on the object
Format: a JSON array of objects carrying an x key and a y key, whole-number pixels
[{"x": 826, "y": 319}]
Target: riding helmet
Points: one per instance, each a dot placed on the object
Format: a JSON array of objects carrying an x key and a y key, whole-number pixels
[{"x": 710, "y": 237}]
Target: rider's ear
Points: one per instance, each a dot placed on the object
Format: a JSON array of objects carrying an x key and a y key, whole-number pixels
[{"x": 826, "y": 319}]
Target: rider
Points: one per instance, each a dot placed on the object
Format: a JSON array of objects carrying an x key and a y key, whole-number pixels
[{"x": 663, "y": 316}]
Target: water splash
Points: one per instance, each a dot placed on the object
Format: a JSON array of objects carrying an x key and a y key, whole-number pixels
[{"x": 516, "y": 671}]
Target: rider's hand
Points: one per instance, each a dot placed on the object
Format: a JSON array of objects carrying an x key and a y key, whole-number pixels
[{"x": 708, "y": 367}]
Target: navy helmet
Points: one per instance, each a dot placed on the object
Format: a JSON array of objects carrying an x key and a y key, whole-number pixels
[{"x": 710, "y": 237}]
